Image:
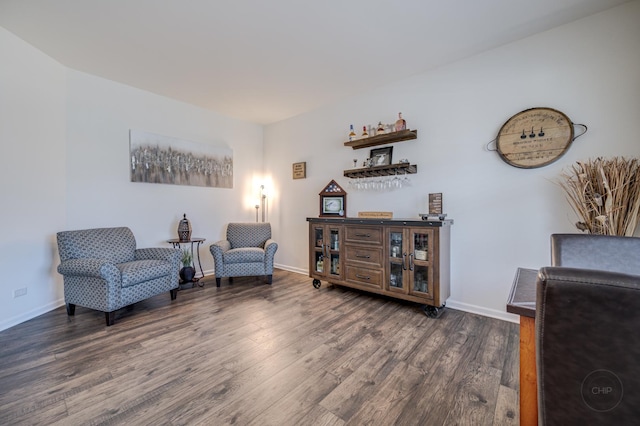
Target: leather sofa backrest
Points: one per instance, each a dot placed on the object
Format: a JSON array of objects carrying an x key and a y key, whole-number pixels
[
  {"x": 602, "y": 252},
  {"x": 116, "y": 245},
  {"x": 587, "y": 347}
]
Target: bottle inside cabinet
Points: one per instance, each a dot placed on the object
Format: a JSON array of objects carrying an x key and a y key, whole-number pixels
[
  {"x": 421, "y": 279},
  {"x": 395, "y": 275},
  {"x": 395, "y": 249},
  {"x": 319, "y": 262},
  {"x": 420, "y": 246}
]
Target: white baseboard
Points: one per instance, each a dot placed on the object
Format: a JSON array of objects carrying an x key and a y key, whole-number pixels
[
  {"x": 292, "y": 269},
  {"x": 480, "y": 310},
  {"x": 26, "y": 316},
  {"x": 453, "y": 304}
]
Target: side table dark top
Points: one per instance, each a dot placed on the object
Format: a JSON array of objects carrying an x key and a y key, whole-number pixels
[
  {"x": 522, "y": 299},
  {"x": 192, "y": 240}
]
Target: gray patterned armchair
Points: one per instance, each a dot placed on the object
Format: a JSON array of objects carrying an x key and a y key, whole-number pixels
[
  {"x": 247, "y": 251},
  {"x": 103, "y": 270}
]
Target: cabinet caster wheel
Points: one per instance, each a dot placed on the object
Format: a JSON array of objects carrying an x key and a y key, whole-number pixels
[
  {"x": 316, "y": 283},
  {"x": 432, "y": 311}
]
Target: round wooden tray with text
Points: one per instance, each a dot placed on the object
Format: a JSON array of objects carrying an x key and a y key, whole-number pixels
[{"x": 534, "y": 138}]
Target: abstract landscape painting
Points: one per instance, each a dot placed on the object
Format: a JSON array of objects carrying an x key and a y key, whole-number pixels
[{"x": 162, "y": 159}]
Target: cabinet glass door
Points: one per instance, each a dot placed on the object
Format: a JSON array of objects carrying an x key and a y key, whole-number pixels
[
  {"x": 421, "y": 246},
  {"x": 420, "y": 279},
  {"x": 318, "y": 249},
  {"x": 333, "y": 249},
  {"x": 397, "y": 266},
  {"x": 420, "y": 262}
]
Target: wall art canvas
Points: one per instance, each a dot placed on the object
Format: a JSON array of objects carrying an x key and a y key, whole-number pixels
[{"x": 162, "y": 159}]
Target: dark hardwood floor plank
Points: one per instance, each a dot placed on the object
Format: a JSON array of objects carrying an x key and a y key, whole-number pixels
[
  {"x": 476, "y": 396},
  {"x": 250, "y": 353},
  {"x": 445, "y": 367},
  {"x": 391, "y": 398},
  {"x": 505, "y": 414},
  {"x": 294, "y": 406}
]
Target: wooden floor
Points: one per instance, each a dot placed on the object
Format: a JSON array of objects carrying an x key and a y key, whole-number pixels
[{"x": 254, "y": 354}]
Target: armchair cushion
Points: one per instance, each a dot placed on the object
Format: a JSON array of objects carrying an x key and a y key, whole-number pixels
[
  {"x": 244, "y": 255},
  {"x": 139, "y": 271}
]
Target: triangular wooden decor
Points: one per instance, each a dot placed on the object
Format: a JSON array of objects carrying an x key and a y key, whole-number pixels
[
  {"x": 332, "y": 188},
  {"x": 333, "y": 201}
]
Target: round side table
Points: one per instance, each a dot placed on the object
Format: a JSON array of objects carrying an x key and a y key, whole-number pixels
[{"x": 177, "y": 243}]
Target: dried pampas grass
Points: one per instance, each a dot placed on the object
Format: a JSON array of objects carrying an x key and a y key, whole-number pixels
[{"x": 605, "y": 194}]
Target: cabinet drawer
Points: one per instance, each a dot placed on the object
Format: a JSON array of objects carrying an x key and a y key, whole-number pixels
[
  {"x": 364, "y": 276},
  {"x": 369, "y": 256},
  {"x": 364, "y": 234}
]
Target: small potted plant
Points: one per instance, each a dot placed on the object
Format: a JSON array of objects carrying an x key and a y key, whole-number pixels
[{"x": 187, "y": 272}]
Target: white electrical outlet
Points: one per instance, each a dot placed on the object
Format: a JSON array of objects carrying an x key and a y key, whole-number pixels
[{"x": 19, "y": 292}]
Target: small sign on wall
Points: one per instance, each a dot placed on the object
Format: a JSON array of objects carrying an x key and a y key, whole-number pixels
[{"x": 300, "y": 170}]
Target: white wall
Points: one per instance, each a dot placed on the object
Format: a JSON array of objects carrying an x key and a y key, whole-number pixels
[
  {"x": 32, "y": 171},
  {"x": 65, "y": 165},
  {"x": 99, "y": 191},
  {"x": 503, "y": 216}
]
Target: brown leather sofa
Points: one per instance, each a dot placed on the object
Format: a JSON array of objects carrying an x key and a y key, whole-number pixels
[{"x": 588, "y": 331}]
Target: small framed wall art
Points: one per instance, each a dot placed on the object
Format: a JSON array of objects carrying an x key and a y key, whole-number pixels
[
  {"x": 333, "y": 201},
  {"x": 299, "y": 170}
]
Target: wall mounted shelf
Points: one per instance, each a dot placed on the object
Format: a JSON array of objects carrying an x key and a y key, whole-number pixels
[
  {"x": 392, "y": 169},
  {"x": 403, "y": 135}
]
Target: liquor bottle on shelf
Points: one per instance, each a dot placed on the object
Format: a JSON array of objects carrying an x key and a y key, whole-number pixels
[
  {"x": 364, "y": 132},
  {"x": 352, "y": 134},
  {"x": 320, "y": 264},
  {"x": 380, "y": 130},
  {"x": 400, "y": 123}
]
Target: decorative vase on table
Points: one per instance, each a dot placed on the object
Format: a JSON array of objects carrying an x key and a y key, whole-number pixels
[
  {"x": 187, "y": 273},
  {"x": 184, "y": 229}
]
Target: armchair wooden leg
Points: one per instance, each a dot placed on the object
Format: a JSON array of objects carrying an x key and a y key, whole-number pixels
[
  {"x": 71, "y": 309},
  {"x": 174, "y": 293},
  {"x": 110, "y": 317},
  {"x": 269, "y": 279},
  {"x": 218, "y": 282}
]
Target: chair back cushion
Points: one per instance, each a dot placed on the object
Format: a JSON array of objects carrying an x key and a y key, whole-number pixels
[
  {"x": 587, "y": 347},
  {"x": 117, "y": 245},
  {"x": 602, "y": 252},
  {"x": 248, "y": 234}
]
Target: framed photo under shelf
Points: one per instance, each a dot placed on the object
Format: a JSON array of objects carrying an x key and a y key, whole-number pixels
[{"x": 381, "y": 156}]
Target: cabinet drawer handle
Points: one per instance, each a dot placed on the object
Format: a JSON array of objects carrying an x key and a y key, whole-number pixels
[
  {"x": 363, "y": 235},
  {"x": 363, "y": 277},
  {"x": 366, "y": 256}
]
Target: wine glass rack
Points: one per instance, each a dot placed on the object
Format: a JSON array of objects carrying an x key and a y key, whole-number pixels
[{"x": 389, "y": 170}]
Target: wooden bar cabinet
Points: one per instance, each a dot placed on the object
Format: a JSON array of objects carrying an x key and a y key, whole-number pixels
[{"x": 406, "y": 259}]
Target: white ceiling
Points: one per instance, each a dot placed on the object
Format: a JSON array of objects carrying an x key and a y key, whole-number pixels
[{"x": 265, "y": 61}]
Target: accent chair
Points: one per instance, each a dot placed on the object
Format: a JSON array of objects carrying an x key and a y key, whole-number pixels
[
  {"x": 103, "y": 270},
  {"x": 247, "y": 251}
]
